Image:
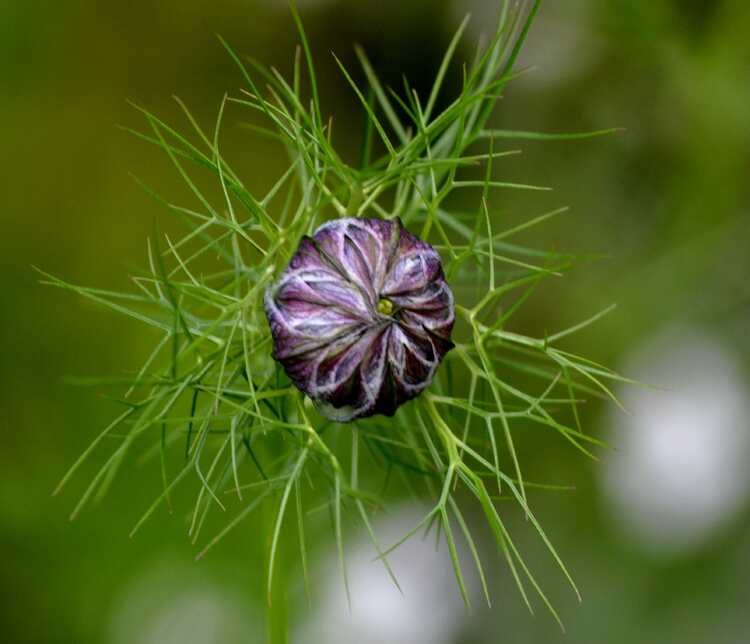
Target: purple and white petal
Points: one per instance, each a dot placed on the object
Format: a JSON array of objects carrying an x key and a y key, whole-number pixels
[{"x": 361, "y": 318}]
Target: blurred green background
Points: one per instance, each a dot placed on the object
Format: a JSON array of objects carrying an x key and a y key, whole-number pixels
[{"x": 667, "y": 202}]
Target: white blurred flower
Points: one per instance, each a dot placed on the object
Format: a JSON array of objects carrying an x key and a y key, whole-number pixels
[
  {"x": 680, "y": 470},
  {"x": 430, "y": 611}
]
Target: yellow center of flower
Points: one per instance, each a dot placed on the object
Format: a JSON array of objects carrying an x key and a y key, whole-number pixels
[{"x": 385, "y": 306}]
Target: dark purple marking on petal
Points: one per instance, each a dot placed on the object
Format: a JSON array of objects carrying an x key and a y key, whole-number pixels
[
  {"x": 323, "y": 291},
  {"x": 357, "y": 267},
  {"x": 307, "y": 257},
  {"x": 429, "y": 320},
  {"x": 413, "y": 272}
]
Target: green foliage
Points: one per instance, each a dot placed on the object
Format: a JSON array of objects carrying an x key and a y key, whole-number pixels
[{"x": 210, "y": 391}]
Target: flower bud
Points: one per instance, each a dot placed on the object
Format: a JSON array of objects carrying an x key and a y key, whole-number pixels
[{"x": 361, "y": 318}]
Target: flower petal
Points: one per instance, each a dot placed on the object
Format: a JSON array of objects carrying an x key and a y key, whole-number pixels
[{"x": 353, "y": 356}]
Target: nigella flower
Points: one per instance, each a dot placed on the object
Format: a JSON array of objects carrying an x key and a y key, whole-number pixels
[{"x": 361, "y": 318}]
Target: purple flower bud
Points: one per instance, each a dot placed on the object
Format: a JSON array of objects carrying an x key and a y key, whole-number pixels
[{"x": 361, "y": 318}]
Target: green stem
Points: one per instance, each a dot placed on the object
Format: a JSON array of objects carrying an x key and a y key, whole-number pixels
[{"x": 277, "y": 618}]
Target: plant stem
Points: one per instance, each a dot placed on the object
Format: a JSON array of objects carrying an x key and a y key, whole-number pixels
[{"x": 277, "y": 622}]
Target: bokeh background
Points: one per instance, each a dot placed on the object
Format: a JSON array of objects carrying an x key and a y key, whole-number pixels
[{"x": 657, "y": 534}]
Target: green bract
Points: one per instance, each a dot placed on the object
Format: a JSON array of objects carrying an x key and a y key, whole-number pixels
[{"x": 211, "y": 393}]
